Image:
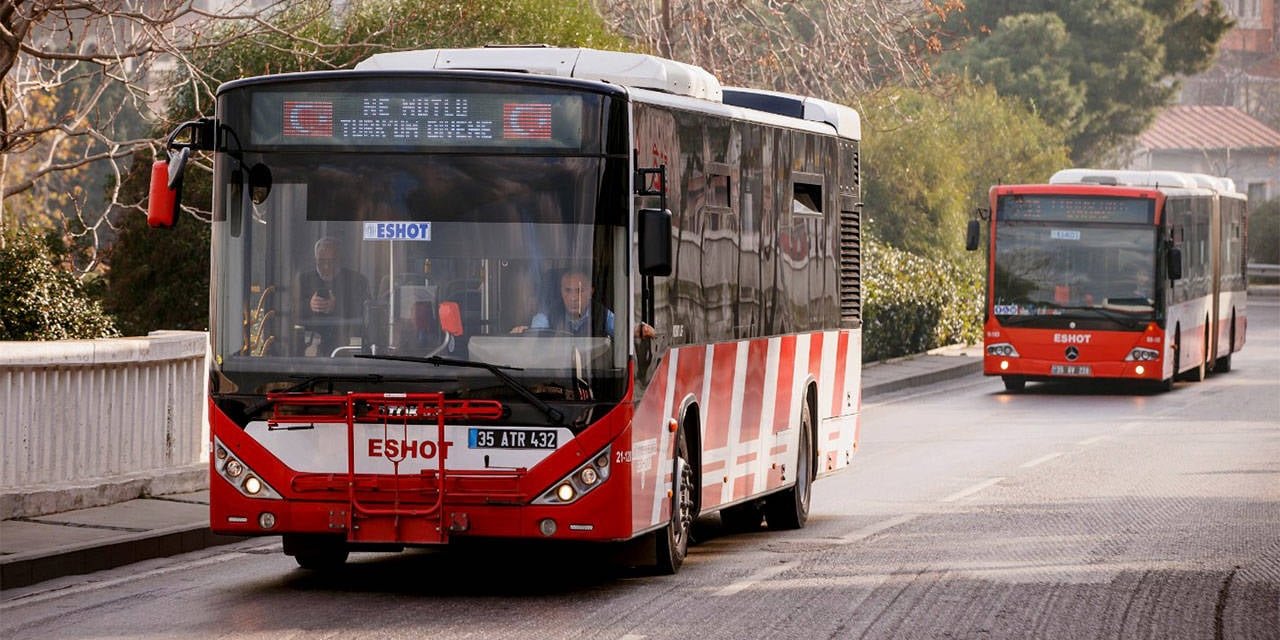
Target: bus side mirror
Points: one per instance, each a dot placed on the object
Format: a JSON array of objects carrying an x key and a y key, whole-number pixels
[
  {"x": 655, "y": 242},
  {"x": 165, "y": 193},
  {"x": 1175, "y": 263},
  {"x": 971, "y": 236}
]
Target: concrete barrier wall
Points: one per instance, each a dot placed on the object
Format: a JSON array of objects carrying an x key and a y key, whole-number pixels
[{"x": 76, "y": 412}]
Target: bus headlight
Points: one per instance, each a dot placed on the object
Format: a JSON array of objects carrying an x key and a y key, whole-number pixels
[
  {"x": 1003, "y": 349},
  {"x": 1139, "y": 354},
  {"x": 244, "y": 479},
  {"x": 583, "y": 480}
]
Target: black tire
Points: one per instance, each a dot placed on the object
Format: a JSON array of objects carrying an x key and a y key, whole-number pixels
[
  {"x": 789, "y": 509},
  {"x": 316, "y": 553},
  {"x": 326, "y": 560},
  {"x": 1198, "y": 373},
  {"x": 1223, "y": 363},
  {"x": 1014, "y": 383},
  {"x": 673, "y": 539},
  {"x": 744, "y": 517}
]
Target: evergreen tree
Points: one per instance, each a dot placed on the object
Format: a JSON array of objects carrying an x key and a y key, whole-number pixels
[{"x": 1099, "y": 69}]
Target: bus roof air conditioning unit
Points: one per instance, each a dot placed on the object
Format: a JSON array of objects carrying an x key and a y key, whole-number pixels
[
  {"x": 1122, "y": 178},
  {"x": 615, "y": 67},
  {"x": 844, "y": 120}
]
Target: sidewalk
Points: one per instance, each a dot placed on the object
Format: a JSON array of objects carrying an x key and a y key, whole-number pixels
[{"x": 82, "y": 541}]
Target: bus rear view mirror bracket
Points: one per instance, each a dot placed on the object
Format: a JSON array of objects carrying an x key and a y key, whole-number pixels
[{"x": 655, "y": 242}]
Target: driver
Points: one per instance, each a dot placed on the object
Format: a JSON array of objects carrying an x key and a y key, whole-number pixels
[{"x": 580, "y": 314}]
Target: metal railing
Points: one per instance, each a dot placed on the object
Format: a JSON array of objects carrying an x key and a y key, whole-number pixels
[
  {"x": 76, "y": 412},
  {"x": 1263, "y": 271}
]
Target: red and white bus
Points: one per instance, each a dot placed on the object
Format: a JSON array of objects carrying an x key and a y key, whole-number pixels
[
  {"x": 413, "y": 396},
  {"x": 1136, "y": 275}
]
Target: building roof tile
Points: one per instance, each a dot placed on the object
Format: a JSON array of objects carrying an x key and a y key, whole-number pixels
[{"x": 1204, "y": 127}]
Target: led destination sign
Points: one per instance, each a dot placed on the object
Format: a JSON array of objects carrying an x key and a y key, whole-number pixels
[
  {"x": 417, "y": 119},
  {"x": 1062, "y": 208}
]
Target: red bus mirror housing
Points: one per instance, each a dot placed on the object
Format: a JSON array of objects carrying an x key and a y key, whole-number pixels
[
  {"x": 972, "y": 235},
  {"x": 162, "y": 202},
  {"x": 451, "y": 318},
  {"x": 655, "y": 242}
]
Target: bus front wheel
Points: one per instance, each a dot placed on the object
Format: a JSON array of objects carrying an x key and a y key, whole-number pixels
[
  {"x": 673, "y": 539},
  {"x": 1014, "y": 383}
]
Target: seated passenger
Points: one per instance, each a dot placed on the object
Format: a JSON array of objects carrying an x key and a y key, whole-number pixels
[{"x": 329, "y": 301}]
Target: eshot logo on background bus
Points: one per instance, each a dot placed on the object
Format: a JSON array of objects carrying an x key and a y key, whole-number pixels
[{"x": 420, "y": 231}]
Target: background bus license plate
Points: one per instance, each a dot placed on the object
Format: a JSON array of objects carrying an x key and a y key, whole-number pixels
[
  {"x": 1071, "y": 370},
  {"x": 511, "y": 439}
]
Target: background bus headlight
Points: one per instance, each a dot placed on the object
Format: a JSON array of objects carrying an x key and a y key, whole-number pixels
[
  {"x": 1003, "y": 349},
  {"x": 1139, "y": 354}
]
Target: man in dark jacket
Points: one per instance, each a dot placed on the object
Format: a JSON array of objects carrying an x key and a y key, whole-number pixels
[{"x": 330, "y": 300}]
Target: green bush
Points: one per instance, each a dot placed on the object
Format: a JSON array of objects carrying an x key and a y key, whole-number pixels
[
  {"x": 41, "y": 300},
  {"x": 912, "y": 304}
]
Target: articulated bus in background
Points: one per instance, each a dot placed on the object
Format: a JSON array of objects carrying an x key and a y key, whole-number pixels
[
  {"x": 395, "y": 250},
  {"x": 1115, "y": 275}
]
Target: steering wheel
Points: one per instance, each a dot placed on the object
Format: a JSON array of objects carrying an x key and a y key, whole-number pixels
[{"x": 547, "y": 332}]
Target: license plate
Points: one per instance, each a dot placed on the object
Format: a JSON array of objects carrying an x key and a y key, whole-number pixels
[
  {"x": 511, "y": 439},
  {"x": 1071, "y": 370}
]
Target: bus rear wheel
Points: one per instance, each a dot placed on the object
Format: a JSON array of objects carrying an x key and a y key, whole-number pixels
[
  {"x": 673, "y": 539},
  {"x": 789, "y": 508},
  {"x": 1223, "y": 364},
  {"x": 1014, "y": 383}
]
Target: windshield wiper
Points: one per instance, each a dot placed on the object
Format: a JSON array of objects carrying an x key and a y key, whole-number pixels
[
  {"x": 553, "y": 414},
  {"x": 308, "y": 382},
  {"x": 1106, "y": 313}
]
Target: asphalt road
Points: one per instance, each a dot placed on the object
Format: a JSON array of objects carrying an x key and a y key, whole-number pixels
[{"x": 1060, "y": 512}]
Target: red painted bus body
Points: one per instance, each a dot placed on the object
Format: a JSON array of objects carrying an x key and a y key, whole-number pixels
[
  {"x": 1083, "y": 278},
  {"x": 400, "y": 255}
]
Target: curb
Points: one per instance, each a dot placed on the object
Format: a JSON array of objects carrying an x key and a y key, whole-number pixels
[
  {"x": 21, "y": 570},
  {"x": 35, "y": 501},
  {"x": 941, "y": 375}
]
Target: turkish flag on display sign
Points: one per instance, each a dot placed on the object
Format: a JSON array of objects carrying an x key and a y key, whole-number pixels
[
  {"x": 526, "y": 121},
  {"x": 314, "y": 119}
]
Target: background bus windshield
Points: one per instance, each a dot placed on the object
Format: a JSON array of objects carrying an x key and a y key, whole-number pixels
[{"x": 1062, "y": 269}]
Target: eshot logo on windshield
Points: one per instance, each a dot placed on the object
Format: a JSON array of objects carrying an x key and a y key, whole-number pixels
[{"x": 419, "y": 231}]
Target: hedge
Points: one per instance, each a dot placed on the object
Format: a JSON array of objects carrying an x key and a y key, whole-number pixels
[{"x": 912, "y": 304}]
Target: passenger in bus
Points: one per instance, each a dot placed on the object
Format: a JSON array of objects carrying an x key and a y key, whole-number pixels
[
  {"x": 330, "y": 300},
  {"x": 578, "y": 315}
]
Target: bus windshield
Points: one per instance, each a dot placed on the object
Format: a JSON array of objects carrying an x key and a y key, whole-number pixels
[
  {"x": 512, "y": 260},
  {"x": 1078, "y": 271}
]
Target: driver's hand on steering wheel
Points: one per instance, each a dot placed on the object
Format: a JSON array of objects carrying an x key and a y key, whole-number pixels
[{"x": 520, "y": 329}]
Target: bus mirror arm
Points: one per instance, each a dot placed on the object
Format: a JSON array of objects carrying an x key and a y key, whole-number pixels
[{"x": 1175, "y": 263}]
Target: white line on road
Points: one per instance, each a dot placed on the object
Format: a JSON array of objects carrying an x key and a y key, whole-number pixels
[
  {"x": 871, "y": 530},
  {"x": 961, "y": 495},
  {"x": 1094, "y": 440},
  {"x": 633, "y": 636},
  {"x": 1040, "y": 460},
  {"x": 761, "y": 575}
]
